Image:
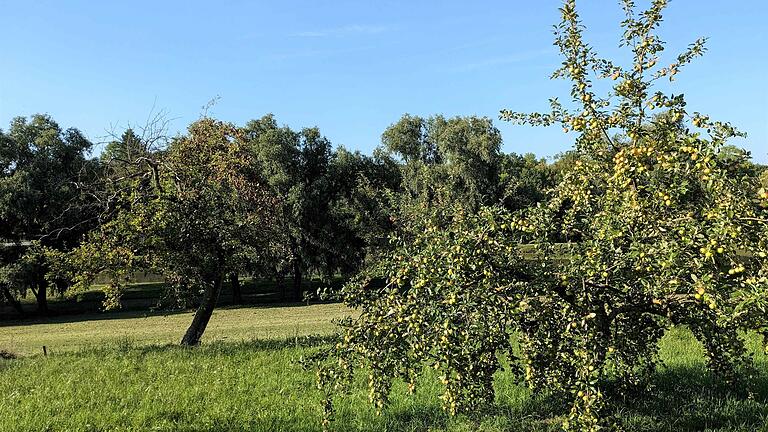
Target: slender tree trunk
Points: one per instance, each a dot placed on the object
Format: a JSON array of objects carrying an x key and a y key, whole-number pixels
[
  {"x": 203, "y": 314},
  {"x": 237, "y": 293},
  {"x": 297, "y": 291},
  {"x": 280, "y": 283},
  {"x": 12, "y": 300},
  {"x": 42, "y": 298}
]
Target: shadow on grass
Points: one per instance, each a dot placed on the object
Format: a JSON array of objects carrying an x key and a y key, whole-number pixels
[
  {"x": 420, "y": 418},
  {"x": 128, "y": 347},
  {"x": 682, "y": 398},
  {"x": 692, "y": 399}
]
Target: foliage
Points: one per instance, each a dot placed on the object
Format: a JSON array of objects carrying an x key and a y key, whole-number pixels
[
  {"x": 360, "y": 207},
  {"x": 648, "y": 228},
  {"x": 447, "y": 160},
  {"x": 204, "y": 214},
  {"x": 524, "y": 180},
  {"x": 442, "y": 301},
  {"x": 328, "y": 215},
  {"x": 126, "y": 150},
  {"x": 40, "y": 168}
]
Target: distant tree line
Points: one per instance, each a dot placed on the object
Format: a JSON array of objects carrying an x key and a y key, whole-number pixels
[{"x": 221, "y": 200}]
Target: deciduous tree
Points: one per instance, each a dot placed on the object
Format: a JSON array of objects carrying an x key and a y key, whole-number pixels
[
  {"x": 648, "y": 229},
  {"x": 206, "y": 213},
  {"x": 40, "y": 167}
]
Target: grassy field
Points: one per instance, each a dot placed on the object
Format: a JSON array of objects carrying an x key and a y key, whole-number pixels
[
  {"x": 137, "y": 384},
  {"x": 72, "y": 333}
]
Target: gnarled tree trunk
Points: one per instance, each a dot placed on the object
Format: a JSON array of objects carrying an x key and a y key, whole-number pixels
[{"x": 203, "y": 314}]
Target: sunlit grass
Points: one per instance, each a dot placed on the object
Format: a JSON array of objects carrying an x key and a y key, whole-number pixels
[
  {"x": 71, "y": 333},
  {"x": 121, "y": 374}
]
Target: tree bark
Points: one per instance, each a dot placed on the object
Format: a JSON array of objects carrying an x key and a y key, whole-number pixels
[
  {"x": 237, "y": 293},
  {"x": 42, "y": 298},
  {"x": 280, "y": 284},
  {"x": 297, "y": 291},
  {"x": 12, "y": 301},
  {"x": 203, "y": 314}
]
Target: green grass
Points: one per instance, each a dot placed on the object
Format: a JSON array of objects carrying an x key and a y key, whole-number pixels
[
  {"x": 258, "y": 385},
  {"x": 71, "y": 333}
]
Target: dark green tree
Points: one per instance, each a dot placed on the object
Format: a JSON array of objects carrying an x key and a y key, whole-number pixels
[
  {"x": 447, "y": 160},
  {"x": 361, "y": 207},
  {"x": 524, "y": 180},
  {"x": 41, "y": 166},
  {"x": 317, "y": 187}
]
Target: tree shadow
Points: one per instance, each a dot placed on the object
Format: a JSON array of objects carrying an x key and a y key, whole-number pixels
[
  {"x": 690, "y": 398},
  {"x": 680, "y": 398}
]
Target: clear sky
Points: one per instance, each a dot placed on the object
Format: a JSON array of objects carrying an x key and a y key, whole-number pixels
[{"x": 351, "y": 67}]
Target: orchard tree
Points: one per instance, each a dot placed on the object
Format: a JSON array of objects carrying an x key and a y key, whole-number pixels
[
  {"x": 650, "y": 229},
  {"x": 205, "y": 213},
  {"x": 41, "y": 204},
  {"x": 647, "y": 229}
]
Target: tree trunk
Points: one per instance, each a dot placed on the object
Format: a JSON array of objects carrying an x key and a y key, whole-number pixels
[
  {"x": 12, "y": 301},
  {"x": 297, "y": 291},
  {"x": 203, "y": 314},
  {"x": 237, "y": 293},
  {"x": 280, "y": 284},
  {"x": 42, "y": 298}
]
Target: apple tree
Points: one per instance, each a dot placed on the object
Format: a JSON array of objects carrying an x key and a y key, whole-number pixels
[
  {"x": 647, "y": 229},
  {"x": 199, "y": 211}
]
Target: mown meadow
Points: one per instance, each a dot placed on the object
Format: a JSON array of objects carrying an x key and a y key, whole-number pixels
[{"x": 252, "y": 380}]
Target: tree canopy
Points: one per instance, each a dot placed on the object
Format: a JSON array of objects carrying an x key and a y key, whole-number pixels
[
  {"x": 207, "y": 213},
  {"x": 41, "y": 165},
  {"x": 652, "y": 222}
]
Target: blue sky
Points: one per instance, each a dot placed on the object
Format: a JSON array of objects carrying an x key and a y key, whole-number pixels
[{"x": 349, "y": 67}]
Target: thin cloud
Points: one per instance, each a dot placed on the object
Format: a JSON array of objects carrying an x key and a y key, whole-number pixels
[
  {"x": 349, "y": 30},
  {"x": 503, "y": 60},
  {"x": 318, "y": 53}
]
